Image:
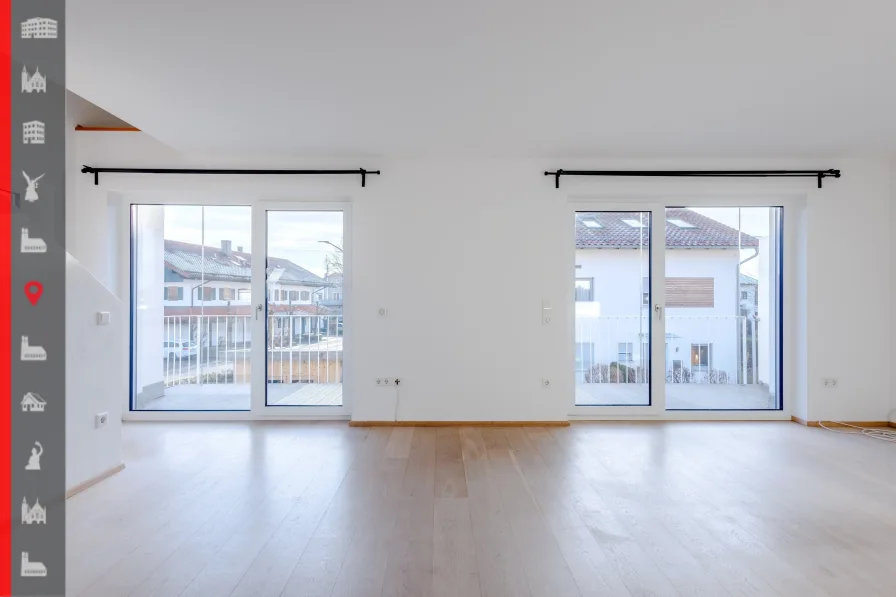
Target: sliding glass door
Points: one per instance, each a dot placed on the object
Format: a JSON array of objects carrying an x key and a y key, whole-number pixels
[
  {"x": 677, "y": 308},
  {"x": 239, "y": 308},
  {"x": 299, "y": 318}
]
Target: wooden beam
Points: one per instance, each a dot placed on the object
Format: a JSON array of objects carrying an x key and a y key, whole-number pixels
[{"x": 108, "y": 129}]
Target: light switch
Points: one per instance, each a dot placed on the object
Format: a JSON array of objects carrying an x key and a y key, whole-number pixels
[{"x": 102, "y": 318}]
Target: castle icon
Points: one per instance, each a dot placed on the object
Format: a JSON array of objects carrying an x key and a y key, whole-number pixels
[
  {"x": 32, "y": 245},
  {"x": 33, "y": 403},
  {"x": 30, "y": 568},
  {"x": 36, "y": 82},
  {"x": 33, "y": 132},
  {"x": 32, "y": 353},
  {"x": 33, "y": 514}
]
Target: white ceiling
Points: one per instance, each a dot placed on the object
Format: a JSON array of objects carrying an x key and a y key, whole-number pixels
[{"x": 494, "y": 77}]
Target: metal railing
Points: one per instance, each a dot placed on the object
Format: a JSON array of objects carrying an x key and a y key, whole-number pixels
[
  {"x": 216, "y": 349},
  {"x": 714, "y": 349}
]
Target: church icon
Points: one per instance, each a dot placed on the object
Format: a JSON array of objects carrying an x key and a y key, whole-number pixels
[
  {"x": 31, "y": 191},
  {"x": 35, "y": 514},
  {"x": 30, "y": 568},
  {"x": 33, "y": 403},
  {"x": 32, "y": 245},
  {"x": 32, "y": 353},
  {"x": 36, "y": 83}
]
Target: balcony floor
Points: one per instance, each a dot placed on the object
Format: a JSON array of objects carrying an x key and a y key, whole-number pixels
[
  {"x": 678, "y": 396},
  {"x": 237, "y": 396}
]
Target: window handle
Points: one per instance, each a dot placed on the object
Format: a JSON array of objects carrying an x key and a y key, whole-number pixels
[
  {"x": 659, "y": 311},
  {"x": 258, "y": 310}
]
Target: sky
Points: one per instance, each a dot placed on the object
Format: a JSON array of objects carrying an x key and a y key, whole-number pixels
[{"x": 292, "y": 235}]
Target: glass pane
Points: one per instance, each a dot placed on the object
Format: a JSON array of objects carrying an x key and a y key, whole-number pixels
[
  {"x": 191, "y": 341},
  {"x": 303, "y": 283},
  {"x": 612, "y": 308},
  {"x": 722, "y": 297}
]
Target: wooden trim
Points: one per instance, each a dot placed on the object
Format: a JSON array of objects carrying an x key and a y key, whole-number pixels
[
  {"x": 892, "y": 424},
  {"x": 94, "y": 480},
  {"x": 798, "y": 420},
  {"x": 108, "y": 129},
  {"x": 840, "y": 423},
  {"x": 458, "y": 423}
]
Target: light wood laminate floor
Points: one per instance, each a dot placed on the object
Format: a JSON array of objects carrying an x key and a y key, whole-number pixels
[{"x": 629, "y": 510}]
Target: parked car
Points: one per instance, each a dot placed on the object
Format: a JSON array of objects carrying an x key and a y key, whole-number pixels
[{"x": 180, "y": 350}]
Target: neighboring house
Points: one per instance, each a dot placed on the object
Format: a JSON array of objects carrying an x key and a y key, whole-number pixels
[
  {"x": 704, "y": 326},
  {"x": 216, "y": 284},
  {"x": 333, "y": 294},
  {"x": 749, "y": 296}
]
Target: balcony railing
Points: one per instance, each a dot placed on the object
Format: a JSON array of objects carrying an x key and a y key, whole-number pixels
[
  {"x": 216, "y": 349},
  {"x": 717, "y": 350}
]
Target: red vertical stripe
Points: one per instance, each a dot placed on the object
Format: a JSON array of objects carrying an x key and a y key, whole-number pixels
[{"x": 6, "y": 198}]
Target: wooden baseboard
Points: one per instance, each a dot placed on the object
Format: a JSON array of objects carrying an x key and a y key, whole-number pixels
[
  {"x": 459, "y": 423},
  {"x": 840, "y": 423},
  {"x": 94, "y": 480},
  {"x": 892, "y": 424}
]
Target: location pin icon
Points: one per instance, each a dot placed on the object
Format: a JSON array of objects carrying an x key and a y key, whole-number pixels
[{"x": 33, "y": 290}]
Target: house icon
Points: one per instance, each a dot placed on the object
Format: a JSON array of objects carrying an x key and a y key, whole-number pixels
[
  {"x": 33, "y": 132},
  {"x": 33, "y": 403}
]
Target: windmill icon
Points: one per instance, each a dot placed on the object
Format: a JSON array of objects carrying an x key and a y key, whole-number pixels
[{"x": 31, "y": 192}]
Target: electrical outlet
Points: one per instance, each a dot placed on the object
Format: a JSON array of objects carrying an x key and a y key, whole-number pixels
[
  {"x": 829, "y": 382},
  {"x": 545, "y": 383},
  {"x": 385, "y": 382},
  {"x": 101, "y": 419}
]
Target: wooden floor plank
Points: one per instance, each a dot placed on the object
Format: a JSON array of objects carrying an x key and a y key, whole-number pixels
[{"x": 620, "y": 509}]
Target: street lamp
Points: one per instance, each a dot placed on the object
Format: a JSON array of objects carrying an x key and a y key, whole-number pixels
[{"x": 326, "y": 242}]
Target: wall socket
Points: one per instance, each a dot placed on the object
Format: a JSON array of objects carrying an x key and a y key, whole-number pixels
[
  {"x": 545, "y": 383},
  {"x": 384, "y": 382},
  {"x": 829, "y": 382},
  {"x": 100, "y": 420}
]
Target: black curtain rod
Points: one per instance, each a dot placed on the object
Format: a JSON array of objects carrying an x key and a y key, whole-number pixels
[
  {"x": 818, "y": 174},
  {"x": 96, "y": 172}
]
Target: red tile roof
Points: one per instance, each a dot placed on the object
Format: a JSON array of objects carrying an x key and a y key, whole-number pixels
[{"x": 614, "y": 233}]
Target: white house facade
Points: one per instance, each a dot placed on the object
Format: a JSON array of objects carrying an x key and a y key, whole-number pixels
[{"x": 710, "y": 311}]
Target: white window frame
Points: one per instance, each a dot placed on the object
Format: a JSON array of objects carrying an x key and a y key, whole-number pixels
[{"x": 703, "y": 195}]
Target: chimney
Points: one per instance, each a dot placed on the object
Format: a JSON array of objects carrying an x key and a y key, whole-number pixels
[{"x": 225, "y": 247}]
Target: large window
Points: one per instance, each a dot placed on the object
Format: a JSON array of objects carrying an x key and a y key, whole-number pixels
[
  {"x": 723, "y": 292},
  {"x": 718, "y": 314},
  {"x": 191, "y": 345}
]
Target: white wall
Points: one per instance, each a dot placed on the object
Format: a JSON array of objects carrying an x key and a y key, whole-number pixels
[
  {"x": 893, "y": 278},
  {"x": 95, "y": 375},
  {"x": 462, "y": 253}
]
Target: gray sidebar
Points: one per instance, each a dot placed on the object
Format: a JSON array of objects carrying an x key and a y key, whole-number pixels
[{"x": 38, "y": 297}]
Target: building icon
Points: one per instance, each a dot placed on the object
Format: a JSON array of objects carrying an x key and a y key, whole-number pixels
[
  {"x": 33, "y": 132},
  {"x": 36, "y": 82},
  {"x": 32, "y": 353},
  {"x": 30, "y": 568},
  {"x": 33, "y": 514},
  {"x": 32, "y": 245},
  {"x": 40, "y": 28},
  {"x": 33, "y": 403}
]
